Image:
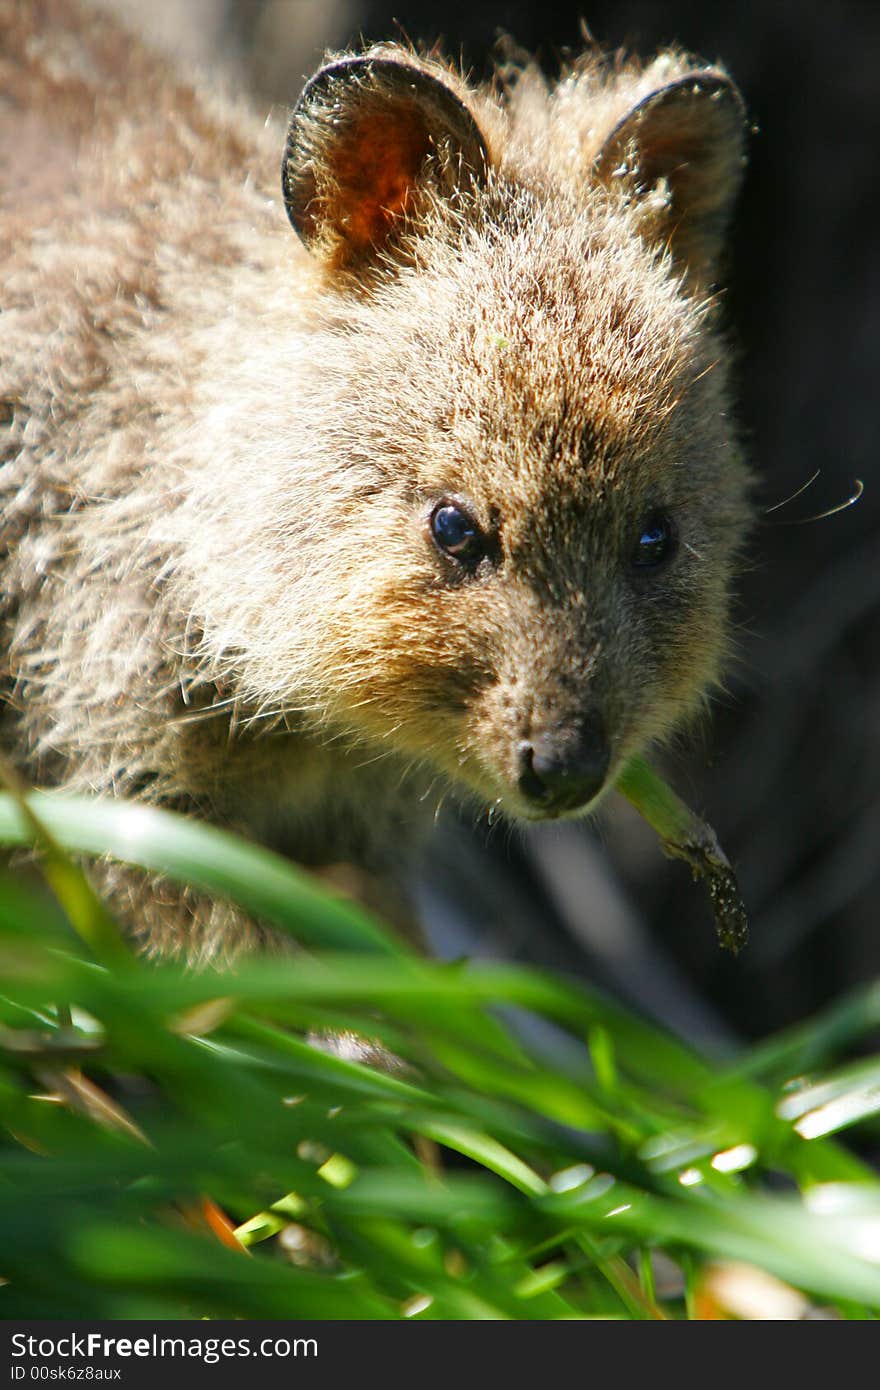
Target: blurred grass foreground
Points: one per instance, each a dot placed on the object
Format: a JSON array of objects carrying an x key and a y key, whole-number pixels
[{"x": 172, "y": 1144}]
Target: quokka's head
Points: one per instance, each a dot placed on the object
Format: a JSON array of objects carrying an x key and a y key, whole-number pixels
[{"x": 540, "y": 495}]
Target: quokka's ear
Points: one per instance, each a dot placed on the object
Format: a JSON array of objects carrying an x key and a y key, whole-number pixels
[
  {"x": 682, "y": 150},
  {"x": 367, "y": 137}
]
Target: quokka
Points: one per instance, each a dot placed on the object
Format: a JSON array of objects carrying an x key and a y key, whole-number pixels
[{"x": 437, "y": 494}]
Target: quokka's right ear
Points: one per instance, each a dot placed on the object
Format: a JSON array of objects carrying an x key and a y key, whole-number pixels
[
  {"x": 368, "y": 138},
  {"x": 682, "y": 149}
]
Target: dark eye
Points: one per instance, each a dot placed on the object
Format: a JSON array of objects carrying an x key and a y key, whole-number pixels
[
  {"x": 457, "y": 533},
  {"x": 656, "y": 541}
]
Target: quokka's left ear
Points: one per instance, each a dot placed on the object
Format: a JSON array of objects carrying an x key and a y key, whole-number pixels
[
  {"x": 369, "y": 136},
  {"x": 681, "y": 150}
]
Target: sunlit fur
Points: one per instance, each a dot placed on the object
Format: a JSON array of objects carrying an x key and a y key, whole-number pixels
[{"x": 219, "y": 458}]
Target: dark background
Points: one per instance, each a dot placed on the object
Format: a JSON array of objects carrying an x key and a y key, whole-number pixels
[{"x": 788, "y": 772}]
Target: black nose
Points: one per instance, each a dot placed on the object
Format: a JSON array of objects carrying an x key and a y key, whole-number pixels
[{"x": 563, "y": 767}]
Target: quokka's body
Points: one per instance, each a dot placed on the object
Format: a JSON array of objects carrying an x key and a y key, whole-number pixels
[{"x": 302, "y": 532}]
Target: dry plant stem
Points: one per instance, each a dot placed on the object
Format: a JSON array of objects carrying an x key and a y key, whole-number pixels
[{"x": 684, "y": 836}]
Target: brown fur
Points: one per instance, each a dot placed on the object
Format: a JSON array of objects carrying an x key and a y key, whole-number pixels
[{"x": 220, "y": 454}]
